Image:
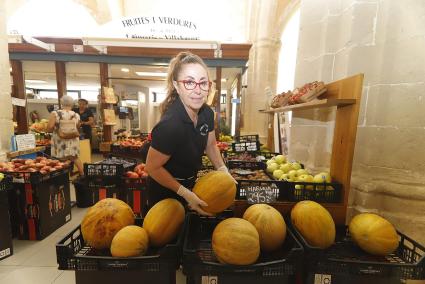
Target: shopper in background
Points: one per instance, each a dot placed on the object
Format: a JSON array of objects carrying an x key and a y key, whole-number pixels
[
  {"x": 87, "y": 118},
  {"x": 184, "y": 133},
  {"x": 65, "y": 138}
]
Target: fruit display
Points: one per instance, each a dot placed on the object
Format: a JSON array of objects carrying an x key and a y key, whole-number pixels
[
  {"x": 139, "y": 172},
  {"x": 201, "y": 173},
  {"x": 222, "y": 146},
  {"x": 40, "y": 126},
  {"x": 270, "y": 225},
  {"x": 130, "y": 241},
  {"x": 43, "y": 142},
  {"x": 42, "y": 165},
  {"x": 217, "y": 189},
  {"x": 225, "y": 138},
  {"x": 131, "y": 143},
  {"x": 236, "y": 241},
  {"x": 241, "y": 174},
  {"x": 374, "y": 234},
  {"x": 104, "y": 220},
  {"x": 306, "y": 93},
  {"x": 314, "y": 223},
  {"x": 163, "y": 221},
  {"x": 206, "y": 162}
]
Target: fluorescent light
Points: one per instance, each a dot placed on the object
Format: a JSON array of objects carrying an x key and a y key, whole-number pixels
[
  {"x": 153, "y": 43},
  {"x": 126, "y": 70},
  {"x": 35, "y": 81},
  {"x": 152, "y": 74}
]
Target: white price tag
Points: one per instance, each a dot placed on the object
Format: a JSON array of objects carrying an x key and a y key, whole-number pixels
[{"x": 19, "y": 102}]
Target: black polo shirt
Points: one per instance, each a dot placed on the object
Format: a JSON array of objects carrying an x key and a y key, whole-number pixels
[
  {"x": 84, "y": 116},
  {"x": 176, "y": 136}
]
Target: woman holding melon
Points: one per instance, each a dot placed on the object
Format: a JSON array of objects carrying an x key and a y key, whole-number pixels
[{"x": 184, "y": 133}]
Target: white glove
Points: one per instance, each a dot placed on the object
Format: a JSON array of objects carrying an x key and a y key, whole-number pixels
[
  {"x": 193, "y": 200},
  {"x": 226, "y": 170}
]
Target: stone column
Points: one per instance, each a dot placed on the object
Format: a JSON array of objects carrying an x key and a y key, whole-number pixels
[
  {"x": 6, "y": 126},
  {"x": 263, "y": 66}
]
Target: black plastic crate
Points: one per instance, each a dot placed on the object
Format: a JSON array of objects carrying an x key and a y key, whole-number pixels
[
  {"x": 91, "y": 266},
  {"x": 249, "y": 156},
  {"x": 201, "y": 266},
  {"x": 109, "y": 168},
  {"x": 320, "y": 192},
  {"x": 134, "y": 194},
  {"x": 247, "y": 138},
  {"x": 36, "y": 177},
  {"x": 344, "y": 262},
  {"x": 6, "y": 244}
]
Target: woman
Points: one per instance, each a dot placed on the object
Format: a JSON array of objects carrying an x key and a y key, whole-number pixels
[
  {"x": 65, "y": 138},
  {"x": 184, "y": 133}
]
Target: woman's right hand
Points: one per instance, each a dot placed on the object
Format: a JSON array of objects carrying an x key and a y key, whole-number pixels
[{"x": 193, "y": 201}]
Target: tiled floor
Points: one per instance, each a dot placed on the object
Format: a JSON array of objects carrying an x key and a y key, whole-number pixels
[{"x": 34, "y": 262}]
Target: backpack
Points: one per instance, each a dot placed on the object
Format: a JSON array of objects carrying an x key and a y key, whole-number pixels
[{"x": 67, "y": 127}]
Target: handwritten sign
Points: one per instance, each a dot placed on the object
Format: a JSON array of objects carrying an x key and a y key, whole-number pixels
[
  {"x": 246, "y": 146},
  {"x": 260, "y": 193},
  {"x": 109, "y": 95},
  {"x": 25, "y": 142}
]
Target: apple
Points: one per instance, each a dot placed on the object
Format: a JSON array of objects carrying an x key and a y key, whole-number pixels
[
  {"x": 301, "y": 172},
  {"x": 323, "y": 177},
  {"x": 306, "y": 178},
  {"x": 284, "y": 177},
  {"x": 270, "y": 162},
  {"x": 292, "y": 174},
  {"x": 286, "y": 167},
  {"x": 1, "y": 176},
  {"x": 277, "y": 174},
  {"x": 272, "y": 167},
  {"x": 280, "y": 159},
  {"x": 296, "y": 166}
]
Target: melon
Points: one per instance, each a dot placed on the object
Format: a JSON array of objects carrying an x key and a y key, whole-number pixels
[
  {"x": 217, "y": 189},
  {"x": 374, "y": 234},
  {"x": 236, "y": 241},
  {"x": 130, "y": 241},
  {"x": 314, "y": 223},
  {"x": 163, "y": 221},
  {"x": 270, "y": 225},
  {"x": 103, "y": 220}
]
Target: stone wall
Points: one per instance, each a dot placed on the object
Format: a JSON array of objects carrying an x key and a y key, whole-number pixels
[
  {"x": 6, "y": 127},
  {"x": 385, "y": 40}
]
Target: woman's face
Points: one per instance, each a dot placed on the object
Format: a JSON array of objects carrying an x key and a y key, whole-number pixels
[{"x": 191, "y": 94}]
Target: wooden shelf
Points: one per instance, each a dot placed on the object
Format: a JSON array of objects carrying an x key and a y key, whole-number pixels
[
  {"x": 25, "y": 152},
  {"x": 313, "y": 104}
]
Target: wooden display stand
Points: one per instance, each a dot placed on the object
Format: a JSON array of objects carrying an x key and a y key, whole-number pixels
[{"x": 345, "y": 94}]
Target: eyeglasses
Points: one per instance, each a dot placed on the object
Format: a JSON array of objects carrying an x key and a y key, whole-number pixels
[{"x": 191, "y": 85}]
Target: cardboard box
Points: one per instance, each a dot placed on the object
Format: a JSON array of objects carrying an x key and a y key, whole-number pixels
[
  {"x": 6, "y": 245},
  {"x": 38, "y": 209}
]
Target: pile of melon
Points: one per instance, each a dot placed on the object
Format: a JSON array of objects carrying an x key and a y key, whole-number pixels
[
  {"x": 109, "y": 224},
  {"x": 372, "y": 233}
]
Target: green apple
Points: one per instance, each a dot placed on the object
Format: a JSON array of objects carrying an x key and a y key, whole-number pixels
[
  {"x": 1, "y": 176},
  {"x": 286, "y": 167},
  {"x": 270, "y": 162},
  {"x": 322, "y": 178},
  {"x": 301, "y": 172},
  {"x": 306, "y": 178},
  {"x": 284, "y": 177},
  {"x": 272, "y": 167},
  {"x": 296, "y": 166},
  {"x": 280, "y": 159},
  {"x": 292, "y": 174},
  {"x": 277, "y": 174}
]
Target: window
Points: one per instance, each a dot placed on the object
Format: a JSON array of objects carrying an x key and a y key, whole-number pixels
[
  {"x": 91, "y": 96},
  {"x": 223, "y": 98}
]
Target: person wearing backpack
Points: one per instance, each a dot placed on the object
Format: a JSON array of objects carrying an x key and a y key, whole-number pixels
[{"x": 64, "y": 125}]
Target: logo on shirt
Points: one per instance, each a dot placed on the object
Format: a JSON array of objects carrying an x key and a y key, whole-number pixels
[{"x": 203, "y": 129}]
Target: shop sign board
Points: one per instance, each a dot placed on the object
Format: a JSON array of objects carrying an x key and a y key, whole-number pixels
[{"x": 152, "y": 27}]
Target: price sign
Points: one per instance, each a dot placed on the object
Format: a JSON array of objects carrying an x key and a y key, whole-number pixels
[
  {"x": 260, "y": 193},
  {"x": 25, "y": 142},
  {"x": 246, "y": 146}
]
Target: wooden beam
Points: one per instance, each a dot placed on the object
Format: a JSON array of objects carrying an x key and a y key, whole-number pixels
[
  {"x": 238, "y": 106},
  {"x": 217, "y": 103},
  {"x": 60, "y": 79},
  {"x": 18, "y": 91},
  {"x": 104, "y": 82}
]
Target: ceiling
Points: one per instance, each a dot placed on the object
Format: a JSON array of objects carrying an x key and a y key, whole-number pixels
[{"x": 85, "y": 76}]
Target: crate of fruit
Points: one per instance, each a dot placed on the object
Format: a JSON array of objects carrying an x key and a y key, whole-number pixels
[
  {"x": 249, "y": 156},
  {"x": 246, "y": 146},
  {"x": 201, "y": 264},
  {"x": 247, "y": 138},
  {"x": 254, "y": 184},
  {"x": 134, "y": 189},
  {"x": 109, "y": 168},
  {"x": 157, "y": 265},
  {"x": 345, "y": 262}
]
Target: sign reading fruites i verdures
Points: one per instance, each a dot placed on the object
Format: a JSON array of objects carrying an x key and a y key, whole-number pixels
[{"x": 155, "y": 27}]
